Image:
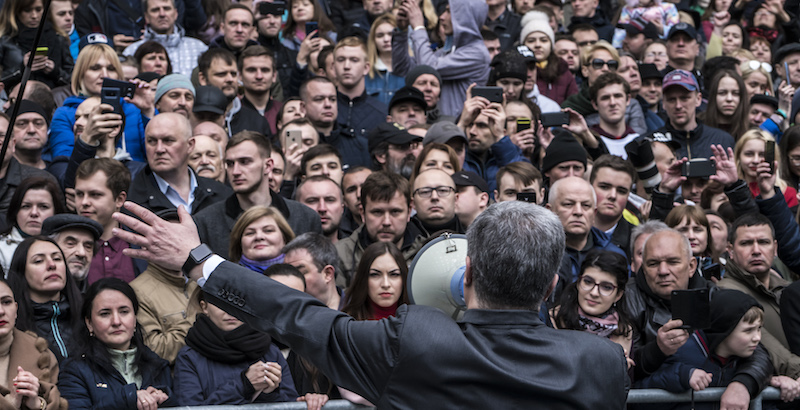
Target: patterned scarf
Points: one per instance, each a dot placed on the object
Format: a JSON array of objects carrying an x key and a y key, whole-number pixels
[
  {"x": 260, "y": 266},
  {"x": 601, "y": 326}
]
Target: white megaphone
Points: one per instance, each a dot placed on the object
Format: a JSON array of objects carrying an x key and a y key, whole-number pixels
[{"x": 436, "y": 276}]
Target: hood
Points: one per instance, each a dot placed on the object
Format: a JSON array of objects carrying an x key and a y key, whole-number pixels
[
  {"x": 727, "y": 308},
  {"x": 73, "y": 101},
  {"x": 467, "y": 17}
]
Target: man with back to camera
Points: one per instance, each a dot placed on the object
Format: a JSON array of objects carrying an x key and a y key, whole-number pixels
[{"x": 505, "y": 282}]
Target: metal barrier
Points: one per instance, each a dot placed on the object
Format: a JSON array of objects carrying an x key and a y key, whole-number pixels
[{"x": 635, "y": 396}]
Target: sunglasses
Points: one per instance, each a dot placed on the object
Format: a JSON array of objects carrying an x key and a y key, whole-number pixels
[
  {"x": 755, "y": 64},
  {"x": 598, "y": 64}
]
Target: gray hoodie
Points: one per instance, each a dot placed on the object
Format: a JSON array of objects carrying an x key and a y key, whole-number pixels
[{"x": 466, "y": 62}]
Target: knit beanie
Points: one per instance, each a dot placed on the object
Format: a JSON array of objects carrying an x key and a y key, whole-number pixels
[
  {"x": 171, "y": 82},
  {"x": 563, "y": 148},
  {"x": 26, "y": 106},
  {"x": 419, "y": 70},
  {"x": 726, "y": 310},
  {"x": 534, "y": 21},
  {"x": 508, "y": 64}
]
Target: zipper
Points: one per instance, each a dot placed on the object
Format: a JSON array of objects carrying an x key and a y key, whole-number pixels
[{"x": 56, "y": 332}]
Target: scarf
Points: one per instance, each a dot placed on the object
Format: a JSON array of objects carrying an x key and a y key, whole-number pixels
[
  {"x": 260, "y": 266},
  {"x": 238, "y": 345},
  {"x": 601, "y": 326},
  {"x": 379, "y": 312},
  {"x": 768, "y": 33}
]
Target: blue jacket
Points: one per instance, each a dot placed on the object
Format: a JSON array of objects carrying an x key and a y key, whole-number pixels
[
  {"x": 501, "y": 153},
  {"x": 86, "y": 387},
  {"x": 357, "y": 117},
  {"x": 675, "y": 372},
  {"x": 62, "y": 138},
  {"x": 383, "y": 86},
  {"x": 201, "y": 381},
  {"x": 787, "y": 232}
]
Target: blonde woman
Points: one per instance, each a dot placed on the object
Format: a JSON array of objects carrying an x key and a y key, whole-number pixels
[
  {"x": 380, "y": 81},
  {"x": 757, "y": 77},
  {"x": 749, "y": 152}
]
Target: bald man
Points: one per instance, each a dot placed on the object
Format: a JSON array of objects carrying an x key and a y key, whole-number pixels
[{"x": 168, "y": 181}]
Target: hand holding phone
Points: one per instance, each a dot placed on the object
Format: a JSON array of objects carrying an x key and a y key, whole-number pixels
[
  {"x": 769, "y": 155},
  {"x": 691, "y": 306}
]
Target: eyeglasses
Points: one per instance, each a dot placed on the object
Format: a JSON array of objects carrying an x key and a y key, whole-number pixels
[
  {"x": 598, "y": 64},
  {"x": 587, "y": 284},
  {"x": 441, "y": 191},
  {"x": 755, "y": 64}
]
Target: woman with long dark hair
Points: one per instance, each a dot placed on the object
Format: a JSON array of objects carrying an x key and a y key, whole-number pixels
[
  {"x": 595, "y": 302},
  {"x": 35, "y": 199},
  {"x": 789, "y": 165},
  {"x": 379, "y": 284},
  {"x": 115, "y": 369},
  {"x": 729, "y": 106},
  {"x": 49, "y": 300},
  {"x": 300, "y": 13}
]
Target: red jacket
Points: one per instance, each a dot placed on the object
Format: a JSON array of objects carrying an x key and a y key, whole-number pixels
[{"x": 562, "y": 87}]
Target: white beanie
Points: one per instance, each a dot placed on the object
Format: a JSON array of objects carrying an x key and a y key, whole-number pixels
[{"x": 534, "y": 21}]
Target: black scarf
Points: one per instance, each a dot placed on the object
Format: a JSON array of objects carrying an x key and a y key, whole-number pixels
[{"x": 238, "y": 345}]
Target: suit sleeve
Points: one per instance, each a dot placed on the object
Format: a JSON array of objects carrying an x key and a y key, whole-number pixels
[{"x": 357, "y": 355}]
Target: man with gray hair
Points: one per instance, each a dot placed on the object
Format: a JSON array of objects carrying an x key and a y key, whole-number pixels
[
  {"x": 316, "y": 258},
  {"x": 161, "y": 27},
  {"x": 668, "y": 266},
  {"x": 488, "y": 352},
  {"x": 574, "y": 201},
  {"x": 167, "y": 181},
  {"x": 638, "y": 237},
  {"x": 175, "y": 93}
]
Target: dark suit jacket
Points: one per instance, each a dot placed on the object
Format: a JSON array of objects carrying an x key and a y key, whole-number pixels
[
  {"x": 423, "y": 359},
  {"x": 144, "y": 191}
]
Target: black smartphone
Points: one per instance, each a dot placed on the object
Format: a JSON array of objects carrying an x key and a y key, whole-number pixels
[
  {"x": 111, "y": 96},
  {"x": 692, "y": 307},
  {"x": 125, "y": 88},
  {"x": 699, "y": 167},
  {"x": 311, "y": 26},
  {"x": 523, "y": 124},
  {"x": 555, "y": 119},
  {"x": 275, "y": 8},
  {"x": 769, "y": 155},
  {"x": 529, "y": 197},
  {"x": 712, "y": 271},
  {"x": 493, "y": 94}
]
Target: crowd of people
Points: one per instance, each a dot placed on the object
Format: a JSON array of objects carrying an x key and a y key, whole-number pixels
[{"x": 323, "y": 143}]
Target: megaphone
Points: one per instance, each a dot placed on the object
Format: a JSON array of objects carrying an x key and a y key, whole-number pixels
[{"x": 436, "y": 276}]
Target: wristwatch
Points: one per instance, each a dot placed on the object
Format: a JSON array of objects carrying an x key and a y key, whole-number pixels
[{"x": 197, "y": 256}]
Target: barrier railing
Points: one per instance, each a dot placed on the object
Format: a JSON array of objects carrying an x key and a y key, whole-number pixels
[{"x": 635, "y": 396}]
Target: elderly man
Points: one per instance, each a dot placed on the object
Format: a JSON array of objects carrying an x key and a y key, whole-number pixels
[
  {"x": 574, "y": 201},
  {"x": 316, "y": 258},
  {"x": 394, "y": 149},
  {"x": 206, "y": 158},
  {"x": 175, "y": 93},
  {"x": 433, "y": 197},
  {"x": 30, "y": 134},
  {"x": 76, "y": 236},
  {"x": 505, "y": 281},
  {"x": 668, "y": 265},
  {"x": 168, "y": 182}
]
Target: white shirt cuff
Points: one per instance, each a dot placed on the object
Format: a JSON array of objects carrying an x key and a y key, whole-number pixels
[
  {"x": 208, "y": 266},
  {"x": 419, "y": 28}
]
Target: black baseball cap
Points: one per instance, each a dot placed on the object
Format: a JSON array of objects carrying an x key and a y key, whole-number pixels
[
  {"x": 683, "y": 28},
  {"x": 210, "y": 99},
  {"x": 390, "y": 132},
  {"x": 764, "y": 99},
  {"x": 467, "y": 178},
  {"x": 640, "y": 26},
  {"x": 408, "y": 94},
  {"x": 647, "y": 71}
]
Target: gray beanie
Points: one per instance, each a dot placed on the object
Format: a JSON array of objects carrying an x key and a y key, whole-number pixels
[
  {"x": 419, "y": 70},
  {"x": 171, "y": 82}
]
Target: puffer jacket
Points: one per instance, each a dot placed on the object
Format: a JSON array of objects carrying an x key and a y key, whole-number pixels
[{"x": 52, "y": 320}]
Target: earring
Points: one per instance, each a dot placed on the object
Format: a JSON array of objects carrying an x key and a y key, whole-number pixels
[{"x": 91, "y": 334}]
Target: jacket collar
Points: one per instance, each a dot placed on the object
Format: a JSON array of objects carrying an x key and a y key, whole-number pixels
[
  {"x": 491, "y": 317},
  {"x": 776, "y": 283},
  {"x": 233, "y": 209},
  {"x": 165, "y": 276},
  {"x": 170, "y": 40}
]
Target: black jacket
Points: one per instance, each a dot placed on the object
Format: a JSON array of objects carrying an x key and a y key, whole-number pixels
[
  {"x": 695, "y": 143},
  {"x": 59, "y": 337},
  {"x": 144, "y": 191},
  {"x": 90, "y": 17},
  {"x": 605, "y": 30},
  {"x": 649, "y": 312},
  {"x": 285, "y": 59},
  {"x": 507, "y": 27},
  {"x": 485, "y": 360},
  {"x": 12, "y": 52}
]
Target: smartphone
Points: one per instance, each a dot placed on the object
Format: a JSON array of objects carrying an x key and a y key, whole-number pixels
[
  {"x": 555, "y": 119},
  {"x": 712, "y": 271},
  {"x": 125, "y": 88},
  {"x": 42, "y": 51},
  {"x": 529, "y": 197},
  {"x": 692, "y": 307},
  {"x": 311, "y": 26},
  {"x": 493, "y": 94},
  {"x": 293, "y": 137},
  {"x": 111, "y": 96},
  {"x": 786, "y": 70},
  {"x": 699, "y": 167},
  {"x": 769, "y": 155},
  {"x": 523, "y": 124}
]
